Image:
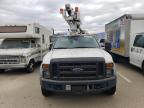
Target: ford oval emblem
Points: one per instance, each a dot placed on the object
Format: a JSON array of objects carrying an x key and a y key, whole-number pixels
[{"x": 77, "y": 69}]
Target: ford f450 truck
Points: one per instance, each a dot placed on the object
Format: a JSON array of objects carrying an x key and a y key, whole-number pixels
[{"x": 77, "y": 64}]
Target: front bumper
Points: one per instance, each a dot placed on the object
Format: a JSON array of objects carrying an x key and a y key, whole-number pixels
[
  {"x": 79, "y": 86},
  {"x": 13, "y": 66}
]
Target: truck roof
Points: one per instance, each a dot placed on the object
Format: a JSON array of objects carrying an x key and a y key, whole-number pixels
[
  {"x": 129, "y": 16},
  {"x": 142, "y": 33},
  {"x": 17, "y": 23},
  {"x": 22, "y": 30}
]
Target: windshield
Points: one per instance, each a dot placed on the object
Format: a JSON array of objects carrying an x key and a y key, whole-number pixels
[
  {"x": 9, "y": 44},
  {"x": 68, "y": 42}
]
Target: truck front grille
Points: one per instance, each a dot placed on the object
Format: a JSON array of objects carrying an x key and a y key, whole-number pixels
[
  {"x": 78, "y": 69},
  {"x": 9, "y": 59}
]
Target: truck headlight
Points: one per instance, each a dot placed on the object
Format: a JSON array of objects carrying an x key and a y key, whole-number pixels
[
  {"x": 109, "y": 68},
  {"x": 23, "y": 59},
  {"x": 45, "y": 69}
]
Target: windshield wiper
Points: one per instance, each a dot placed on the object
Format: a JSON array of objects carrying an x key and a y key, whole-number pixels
[
  {"x": 61, "y": 48},
  {"x": 84, "y": 47}
]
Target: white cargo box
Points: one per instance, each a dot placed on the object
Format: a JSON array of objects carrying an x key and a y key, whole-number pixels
[{"x": 120, "y": 32}]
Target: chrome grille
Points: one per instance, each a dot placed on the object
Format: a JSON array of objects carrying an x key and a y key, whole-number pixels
[{"x": 9, "y": 59}]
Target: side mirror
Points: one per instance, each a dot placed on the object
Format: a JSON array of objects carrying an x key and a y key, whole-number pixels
[
  {"x": 102, "y": 41},
  {"x": 50, "y": 46},
  {"x": 108, "y": 46},
  {"x": 102, "y": 45}
]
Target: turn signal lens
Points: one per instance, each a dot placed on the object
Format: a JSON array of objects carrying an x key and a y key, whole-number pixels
[
  {"x": 45, "y": 66},
  {"x": 109, "y": 66},
  {"x": 61, "y": 11},
  {"x": 76, "y": 9}
]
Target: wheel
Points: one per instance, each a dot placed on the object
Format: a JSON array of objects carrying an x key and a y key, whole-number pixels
[
  {"x": 111, "y": 91},
  {"x": 2, "y": 70},
  {"x": 115, "y": 58},
  {"x": 45, "y": 92},
  {"x": 30, "y": 67},
  {"x": 143, "y": 68}
]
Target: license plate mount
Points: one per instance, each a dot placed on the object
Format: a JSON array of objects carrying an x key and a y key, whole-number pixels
[{"x": 68, "y": 87}]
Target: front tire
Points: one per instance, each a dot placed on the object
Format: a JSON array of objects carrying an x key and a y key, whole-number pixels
[
  {"x": 2, "y": 70},
  {"x": 45, "y": 92},
  {"x": 143, "y": 69},
  {"x": 115, "y": 58},
  {"x": 111, "y": 91},
  {"x": 30, "y": 67}
]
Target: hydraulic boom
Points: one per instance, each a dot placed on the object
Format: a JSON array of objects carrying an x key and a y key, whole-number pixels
[{"x": 72, "y": 17}]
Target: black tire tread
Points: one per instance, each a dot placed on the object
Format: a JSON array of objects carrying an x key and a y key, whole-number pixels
[
  {"x": 28, "y": 71},
  {"x": 111, "y": 91},
  {"x": 143, "y": 68},
  {"x": 2, "y": 70},
  {"x": 45, "y": 92}
]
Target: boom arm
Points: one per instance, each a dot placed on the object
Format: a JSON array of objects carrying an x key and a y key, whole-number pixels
[{"x": 72, "y": 18}]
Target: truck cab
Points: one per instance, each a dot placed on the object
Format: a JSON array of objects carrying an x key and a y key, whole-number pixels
[
  {"x": 137, "y": 51},
  {"x": 77, "y": 64}
]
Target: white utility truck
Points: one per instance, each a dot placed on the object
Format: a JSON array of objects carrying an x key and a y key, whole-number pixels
[
  {"x": 77, "y": 63},
  {"x": 126, "y": 36},
  {"x": 22, "y": 45}
]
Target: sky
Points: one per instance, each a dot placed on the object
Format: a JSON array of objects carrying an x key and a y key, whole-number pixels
[{"x": 94, "y": 13}]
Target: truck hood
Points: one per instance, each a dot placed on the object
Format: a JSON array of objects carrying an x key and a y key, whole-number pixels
[
  {"x": 77, "y": 53},
  {"x": 16, "y": 52}
]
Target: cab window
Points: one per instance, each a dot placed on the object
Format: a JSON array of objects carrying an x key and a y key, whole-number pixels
[
  {"x": 33, "y": 44},
  {"x": 43, "y": 39},
  {"x": 37, "y": 30},
  {"x": 139, "y": 41}
]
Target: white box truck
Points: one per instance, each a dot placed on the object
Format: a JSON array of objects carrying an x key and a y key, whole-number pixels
[
  {"x": 126, "y": 35},
  {"x": 22, "y": 45}
]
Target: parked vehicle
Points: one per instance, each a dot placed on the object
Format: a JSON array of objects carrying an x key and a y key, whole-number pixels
[
  {"x": 77, "y": 64},
  {"x": 126, "y": 35},
  {"x": 22, "y": 45}
]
